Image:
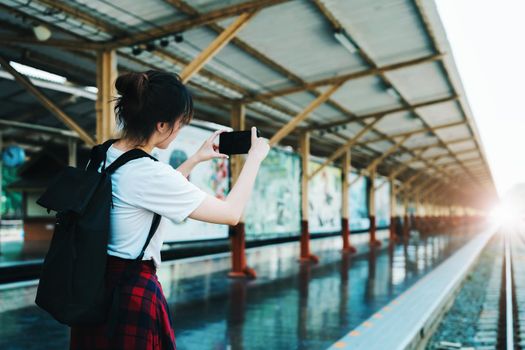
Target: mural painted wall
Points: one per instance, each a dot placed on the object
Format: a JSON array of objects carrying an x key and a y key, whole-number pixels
[
  {"x": 274, "y": 209},
  {"x": 10, "y": 201},
  {"x": 358, "y": 204},
  {"x": 382, "y": 197},
  {"x": 211, "y": 176},
  {"x": 324, "y": 199}
]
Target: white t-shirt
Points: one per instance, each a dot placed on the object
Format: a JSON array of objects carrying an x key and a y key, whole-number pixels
[{"x": 140, "y": 188}]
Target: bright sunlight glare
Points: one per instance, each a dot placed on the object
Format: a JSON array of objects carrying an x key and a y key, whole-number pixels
[{"x": 505, "y": 215}]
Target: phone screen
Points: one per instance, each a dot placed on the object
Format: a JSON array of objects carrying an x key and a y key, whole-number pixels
[{"x": 235, "y": 142}]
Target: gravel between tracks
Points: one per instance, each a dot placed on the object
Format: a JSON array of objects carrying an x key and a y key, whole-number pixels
[{"x": 459, "y": 326}]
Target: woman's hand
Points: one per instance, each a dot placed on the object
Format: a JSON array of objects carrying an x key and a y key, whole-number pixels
[
  {"x": 260, "y": 147},
  {"x": 209, "y": 150}
]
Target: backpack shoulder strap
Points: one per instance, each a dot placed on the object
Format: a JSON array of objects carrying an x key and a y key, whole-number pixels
[
  {"x": 154, "y": 225},
  {"x": 126, "y": 157},
  {"x": 98, "y": 154}
]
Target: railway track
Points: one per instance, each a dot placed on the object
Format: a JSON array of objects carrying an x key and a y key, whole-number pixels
[
  {"x": 501, "y": 323},
  {"x": 516, "y": 314}
]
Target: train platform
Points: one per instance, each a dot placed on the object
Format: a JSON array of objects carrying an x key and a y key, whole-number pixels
[
  {"x": 289, "y": 305},
  {"x": 406, "y": 321}
]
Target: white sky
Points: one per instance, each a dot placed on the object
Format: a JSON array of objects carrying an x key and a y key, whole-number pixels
[{"x": 488, "y": 43}]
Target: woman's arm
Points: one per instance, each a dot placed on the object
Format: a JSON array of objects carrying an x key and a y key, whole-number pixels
[
  {"x": 207, "y": 151},
  {"x": 229, "y": 210},
  {"x": 188, "y": 165}
]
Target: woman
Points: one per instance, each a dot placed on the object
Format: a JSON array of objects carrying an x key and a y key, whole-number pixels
[{"x": 152, "y": 108}]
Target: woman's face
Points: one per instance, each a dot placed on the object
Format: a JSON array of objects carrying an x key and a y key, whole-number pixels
[{"x": 165, "y": 134}]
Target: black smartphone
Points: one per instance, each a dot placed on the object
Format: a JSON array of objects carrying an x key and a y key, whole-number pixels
[{"x": 235, "y": 142}]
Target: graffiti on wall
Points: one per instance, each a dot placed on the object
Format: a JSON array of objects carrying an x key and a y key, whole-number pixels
[
  {"x": 274, "y": 207},
  {"x": 358, "y": 204},
  {"x": 210, "y": 176},
  {"x": 324, "y": 199}
]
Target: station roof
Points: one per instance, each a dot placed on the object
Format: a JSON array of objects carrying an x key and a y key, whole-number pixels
[{"x": 392, "y": 70}]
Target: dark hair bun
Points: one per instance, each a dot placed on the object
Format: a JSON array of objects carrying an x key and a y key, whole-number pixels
[
  {"x": 132, "y": 88},
  {"x": 150, "y": 97}
]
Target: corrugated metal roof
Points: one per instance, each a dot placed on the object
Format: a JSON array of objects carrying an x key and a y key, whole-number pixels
[{"x": 296, "y": 42}]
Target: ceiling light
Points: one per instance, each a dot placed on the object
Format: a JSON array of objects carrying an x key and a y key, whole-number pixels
[
  {"x": 136, "y": 50},
  {"x": 37, "y": 73},
  {"x": 178, "y": 38},
  {"x": 42, "y": 33},
  {"x": 344, "y": 39}
]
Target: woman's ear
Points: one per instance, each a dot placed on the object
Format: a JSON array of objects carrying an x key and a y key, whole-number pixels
[{"x": 161, "y": 127}]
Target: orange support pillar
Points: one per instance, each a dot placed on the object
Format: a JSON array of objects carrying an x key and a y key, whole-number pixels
[
  {"x": 306, "y": 255},
  {"x": 237, "y": 232},
  {"x": 393, "y": 211},
  {"x": 372, "y": 209},
  {"x": 406, "y": 224},
  {"x": 345, "y": 214}
]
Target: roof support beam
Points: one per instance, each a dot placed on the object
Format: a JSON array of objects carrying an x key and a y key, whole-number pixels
[
  {"x": 434, "y": 42},
  {"x": 341, "y": 150},
  {"x": 83, "y": 16},
  {"x": 216, "y": 45},
  {"x": 388, "y": 152},
  {"x": 470, "y": 150},
  {"x": 39, "y": 128},
  {"x": 105, "y": 106},
  {"x": 57, "y": 43},
  {"x": 404, "y": 166},
  {"x": 342, "y": 78},
  {"x": 427, "y": 129},
  {"x": 373, "y": 165},
  {"x": 417, "y": 157},
  {"x": 290, "y": 126},
  {"x": 46, "y": 102},
  {"x": 389, "y": 111},
  {"x": 203, "y": 19},
  {"x": 323, "y": 8}
]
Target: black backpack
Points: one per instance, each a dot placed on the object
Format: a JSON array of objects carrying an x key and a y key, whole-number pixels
[{"x": 72, "y": 279}]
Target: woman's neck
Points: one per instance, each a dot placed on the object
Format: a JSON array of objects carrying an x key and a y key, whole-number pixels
[{"x": 126, "y": 145}]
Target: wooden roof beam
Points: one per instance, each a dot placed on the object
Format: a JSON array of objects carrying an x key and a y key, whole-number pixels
[
  {"x": 373, "y": 165},
  {"x": 290, "y": 126},
  {"x": 368, "y": 59},
  {"x": 57, "y": 43},
  {"x": 434, "y": 42},
  {"x": 418, "y": 131},
  {"x": 216, "y": 45},
  {"x": 46, "y": 102},
  {"x": 201, "y": 20},
  {"x": 341, "y": 150},
  {"x": 83, "y": 16},
  {"x": 388, "y": 111},
  {"x": 341, "y": 79}
]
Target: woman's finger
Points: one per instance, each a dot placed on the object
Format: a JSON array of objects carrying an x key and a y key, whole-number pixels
[
  {"x": 214, "y": 135},
  {"x": 221, "y": 155}
]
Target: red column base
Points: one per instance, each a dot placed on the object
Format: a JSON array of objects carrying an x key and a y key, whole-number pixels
[
  {"x": 247, "y": 272},
  {"x": 348, "y": 248},
  {"x": 373, "y": 241},
  {"x": 239, "y": 267},
  {"x": 392, "y": 230},
  {"x": 309, "y": 259},
  {"x": 406, "y": 228},
  {"x": 305, "y": 255}
]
